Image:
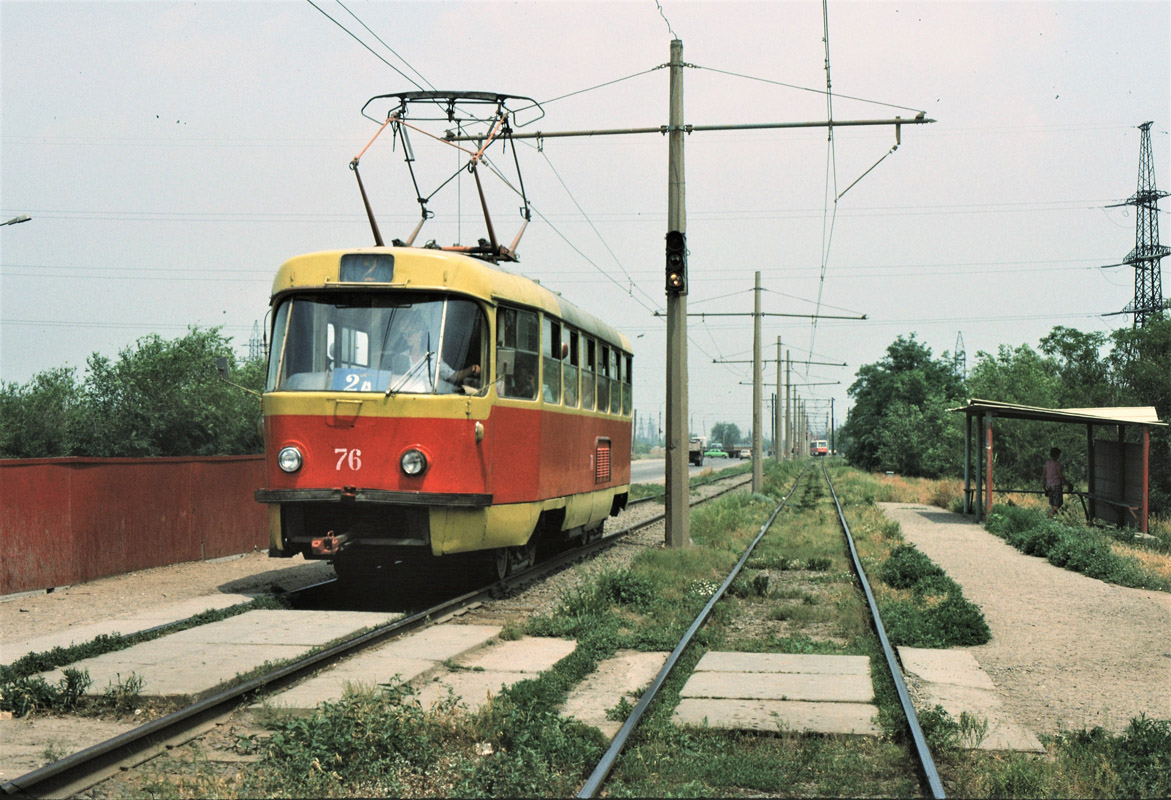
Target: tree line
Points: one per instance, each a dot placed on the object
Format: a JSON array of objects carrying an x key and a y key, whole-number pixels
[
  {"x": 900, "y": 419},
  {"x": 157, "y": 398},
  {"x": 164, "y": 398}
]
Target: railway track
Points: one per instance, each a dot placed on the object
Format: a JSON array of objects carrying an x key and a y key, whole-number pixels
[
  {"x": 925, "y": 762},
  {"x": 81, "y": 770}
]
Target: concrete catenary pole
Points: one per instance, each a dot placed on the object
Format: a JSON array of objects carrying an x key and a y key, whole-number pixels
[
  {"x": 757, "y": 394},
  {"x": 788, "y": 404},
  {"x": 777, "y": 409},
  {"x": 678, "y": 523}
]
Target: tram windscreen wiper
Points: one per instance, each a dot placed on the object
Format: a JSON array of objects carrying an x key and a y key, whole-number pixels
[{"x": 426, "y": 359}]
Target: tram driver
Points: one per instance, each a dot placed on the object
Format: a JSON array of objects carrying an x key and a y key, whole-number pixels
[{"x": 415, "y": 367}]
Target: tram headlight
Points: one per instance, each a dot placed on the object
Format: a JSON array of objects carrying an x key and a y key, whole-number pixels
[
  {"x": 289, "y": 459},
  {"x": 413, "y": 462}
]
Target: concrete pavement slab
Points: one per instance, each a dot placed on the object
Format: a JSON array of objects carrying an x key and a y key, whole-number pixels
[
  {"x": 779, "y": 715},
  {"x": 527, "y": 657},
  {"x": 527, "y": 654},
  {"x": 268, "y": 626},
  {"x": 441, "y": 642},
  {"x": 780, "y": 686},
  {"x": 723, "y": 661},
  {"x": 954, "y": 680},
  {"x": 781, "y": 692},
  {"x": 410, "y": 658},
  {"x": 192, "y": 663},
  {"x": 956, "y": 667},
  {"x": 625, "y": 675},
  {"x": 125, "y": 625}
]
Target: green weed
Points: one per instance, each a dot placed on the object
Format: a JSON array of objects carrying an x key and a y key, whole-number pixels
[{"x": 1073, "y": 547}]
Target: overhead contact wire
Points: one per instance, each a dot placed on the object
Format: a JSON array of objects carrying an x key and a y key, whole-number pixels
[{"x": 368, "y": 47}]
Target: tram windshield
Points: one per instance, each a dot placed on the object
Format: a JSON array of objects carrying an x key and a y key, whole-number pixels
[{"x": 378, "y": 342}]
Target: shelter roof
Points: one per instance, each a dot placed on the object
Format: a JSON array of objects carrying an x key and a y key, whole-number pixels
[{"x": 1122, "y": 415}]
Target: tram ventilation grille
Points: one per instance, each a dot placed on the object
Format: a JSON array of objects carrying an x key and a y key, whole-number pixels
[{"x": 602, "y": 463}]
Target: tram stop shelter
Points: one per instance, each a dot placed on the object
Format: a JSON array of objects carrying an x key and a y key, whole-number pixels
[{"x": 1117, "y": 471}]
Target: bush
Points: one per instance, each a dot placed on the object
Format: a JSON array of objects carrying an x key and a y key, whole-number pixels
[
  {"x": 906, "y": 567},
  {"x": 626, "y": 588},
  {"x": 1075, "y": 548}
]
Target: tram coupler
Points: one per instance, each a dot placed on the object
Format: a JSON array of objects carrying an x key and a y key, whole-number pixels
[{"x": 330, "y": 544}]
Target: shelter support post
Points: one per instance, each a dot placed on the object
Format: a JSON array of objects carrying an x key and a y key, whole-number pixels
[
  {"x": 1142, "y": 522},
  {"x": 988, "y": 463},
  {"x": 979, "y": 471},
  {"x": 1122, "y": 471},
  {"x": 1091, "y": 468},
  {"x": 967, "y": 464}
]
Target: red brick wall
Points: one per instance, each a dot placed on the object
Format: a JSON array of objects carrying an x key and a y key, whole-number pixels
[{"x": 69, "y": 520}]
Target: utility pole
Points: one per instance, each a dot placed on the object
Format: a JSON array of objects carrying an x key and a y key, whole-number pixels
[
  {"x": 757, "y": 393},
  {"x": 833, "y": 444},
  {"x": 677, "y": 521},
  {"x": 788, "y": 402},
  {"x": 678, "y": 518},
  {"x": 777, "y": 409}
]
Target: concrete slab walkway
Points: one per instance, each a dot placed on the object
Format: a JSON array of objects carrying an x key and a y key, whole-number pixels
[
  {"x": 952, "y": 679},
  {"x": 481, "y": 674},
  {"x": 125, "y": 625},
  {"x": 193, "y": 663},
  {"x": 780, "y": 692},
  {"x": 409, "y": 658},
  {"x": 1067, "y": 651},
  {"x": 625, "y": 675}
]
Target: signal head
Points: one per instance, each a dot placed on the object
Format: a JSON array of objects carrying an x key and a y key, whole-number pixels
[{"x": 676, "y": 262}]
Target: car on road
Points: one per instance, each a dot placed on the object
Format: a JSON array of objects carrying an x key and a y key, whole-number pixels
[{"x": 715, "y": 452}]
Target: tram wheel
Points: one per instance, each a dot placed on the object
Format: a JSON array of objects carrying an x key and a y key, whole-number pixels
[
  {"x": 524, "y": 556},
  {"x": 502, "y": 563}
]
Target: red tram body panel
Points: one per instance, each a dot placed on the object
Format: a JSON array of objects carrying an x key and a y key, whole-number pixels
[{"x": 421, "y": 401}]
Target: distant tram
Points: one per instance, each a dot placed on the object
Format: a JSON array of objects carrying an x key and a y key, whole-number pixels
[
  {"x": 819, "y": 447},
  {"x": 422, "y": 403}
]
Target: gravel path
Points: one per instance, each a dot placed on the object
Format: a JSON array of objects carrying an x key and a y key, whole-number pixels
[{"x": 1067, "y": 651}]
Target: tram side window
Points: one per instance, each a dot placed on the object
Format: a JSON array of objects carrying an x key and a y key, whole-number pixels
[
  {"x": 551, "y": 361},
  {"x": 604, "y": 378},
  {"x": 517, "y": 343},
  {"x": 615, "y": 382},
  {"x": 588, "y": 349},
  {"x": 627, "y": 384},
  {"x": 571, "y": 366}
]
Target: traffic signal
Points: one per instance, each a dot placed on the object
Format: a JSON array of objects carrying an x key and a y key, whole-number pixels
[{"x": 676, "y": 263}]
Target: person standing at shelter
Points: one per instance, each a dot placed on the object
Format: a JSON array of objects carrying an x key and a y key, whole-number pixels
[{"x": 1053, "y": 480}]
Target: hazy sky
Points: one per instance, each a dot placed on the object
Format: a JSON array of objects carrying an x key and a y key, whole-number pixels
[{"x": 173, "y": 155}]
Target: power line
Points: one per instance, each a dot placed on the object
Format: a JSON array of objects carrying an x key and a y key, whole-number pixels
[
  {"x": 388, "y": 47},
  {"x": 801, "y": 88},
  {"x": 354, "y": 36}
]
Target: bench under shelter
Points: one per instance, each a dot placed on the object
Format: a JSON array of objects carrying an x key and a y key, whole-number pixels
[{"x": 1118, "y": 470}]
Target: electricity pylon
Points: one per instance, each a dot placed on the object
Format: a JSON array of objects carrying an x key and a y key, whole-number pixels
[{"x": 1147, "y": 255}]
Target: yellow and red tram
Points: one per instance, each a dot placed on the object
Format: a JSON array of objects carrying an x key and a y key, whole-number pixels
[{"x": 424, "y": 403}]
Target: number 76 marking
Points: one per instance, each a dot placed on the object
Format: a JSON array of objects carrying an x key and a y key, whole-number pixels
[{"x": 350, "y": 458}]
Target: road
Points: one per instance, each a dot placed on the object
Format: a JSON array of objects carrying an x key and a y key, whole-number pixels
[{"x": 653, "y": 470}]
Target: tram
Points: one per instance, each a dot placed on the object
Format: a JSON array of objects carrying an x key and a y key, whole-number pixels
[{"x": 424, "y": 404}]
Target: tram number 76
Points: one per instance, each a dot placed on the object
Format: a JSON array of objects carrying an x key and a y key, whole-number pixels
[{"x": 349, "y": 458}]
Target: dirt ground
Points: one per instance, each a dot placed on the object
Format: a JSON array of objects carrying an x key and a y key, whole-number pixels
[
  {"x": 35, "y": 614},
  {"x": 1067, "y": 651}
]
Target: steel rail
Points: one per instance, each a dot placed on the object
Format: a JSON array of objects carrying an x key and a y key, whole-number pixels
[
  {"x": 715, "y": 478},
  {"x": 76, "y": 772},
  {"x": 594, "y": 783},
  {"x": 926, "y": 762}
]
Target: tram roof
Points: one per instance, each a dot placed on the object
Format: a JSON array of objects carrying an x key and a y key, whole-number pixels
[
  {"x": 1119, "y": 415},
  {"x": 421, "y": 268}
]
